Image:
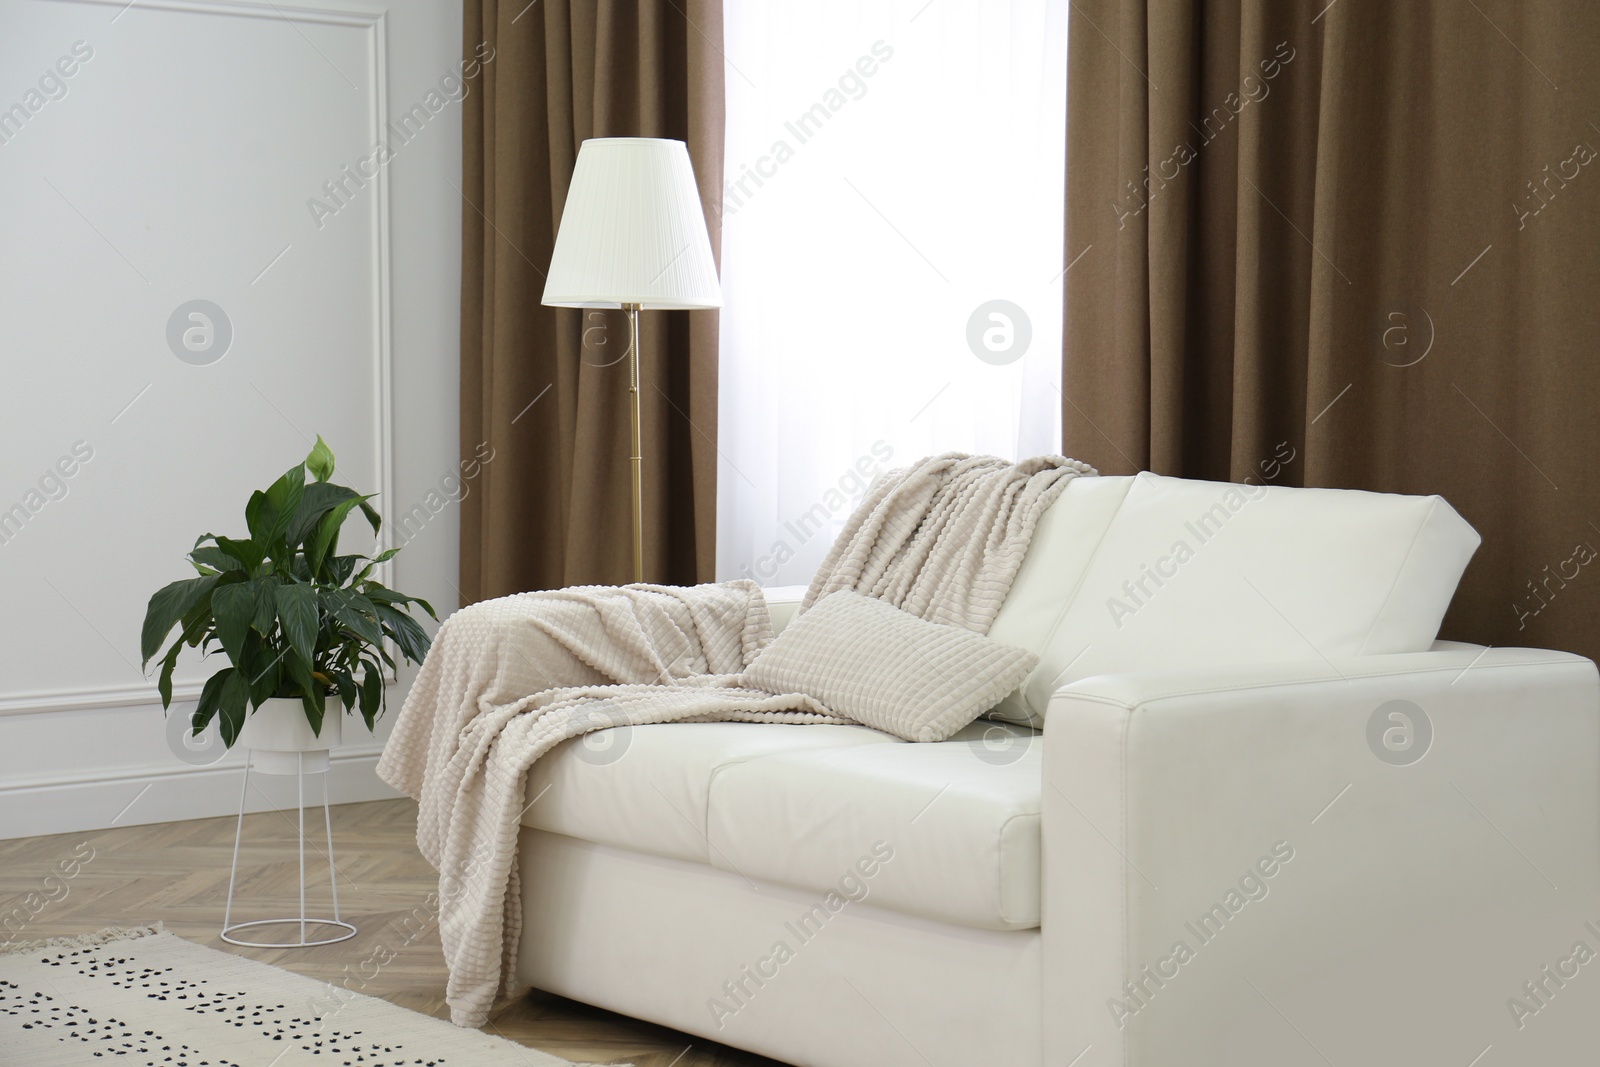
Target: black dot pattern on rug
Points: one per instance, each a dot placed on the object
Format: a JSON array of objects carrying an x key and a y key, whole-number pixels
[
  {"x": 108, "y": 1037},
  {"x": 274, "y": 1022},
  {"x": 349, "y": 1049}
]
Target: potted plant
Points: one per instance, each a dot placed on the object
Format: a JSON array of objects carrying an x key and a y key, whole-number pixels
[{"x": 302, "y": 627}]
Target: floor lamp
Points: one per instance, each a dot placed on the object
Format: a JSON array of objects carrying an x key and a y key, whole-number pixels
[{"x": 633, "y": 236}]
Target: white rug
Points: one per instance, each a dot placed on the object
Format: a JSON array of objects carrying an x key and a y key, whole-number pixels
[{"x": 146, "y": 998}]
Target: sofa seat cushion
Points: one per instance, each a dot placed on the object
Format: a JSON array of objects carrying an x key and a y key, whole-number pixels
[
  {"x": 645, "y": 787},
  {"x": 961, "y": 818}
]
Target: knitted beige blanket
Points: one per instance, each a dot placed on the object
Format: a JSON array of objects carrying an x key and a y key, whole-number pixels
[{"x": 508, "y": 679}]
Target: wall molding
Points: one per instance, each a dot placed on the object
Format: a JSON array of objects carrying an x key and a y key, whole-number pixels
[
  {"x": 85, "y": 699},
  {"x": 374, "y": 24},
  {"x": 233, "y": 761},
  {"x": 133, "y": 796},
  {"x": 329, "y": 16}
]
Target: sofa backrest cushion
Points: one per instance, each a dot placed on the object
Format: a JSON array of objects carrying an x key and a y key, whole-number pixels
[
  {"x": 1064, "y": 541},
  {"x": 1190, "y": 573}
]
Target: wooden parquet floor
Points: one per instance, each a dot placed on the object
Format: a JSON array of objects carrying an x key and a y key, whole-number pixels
[{"x": 177, "y": 873}]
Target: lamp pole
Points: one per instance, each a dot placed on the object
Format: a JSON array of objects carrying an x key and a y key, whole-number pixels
[{"x": 638, "y": 441}]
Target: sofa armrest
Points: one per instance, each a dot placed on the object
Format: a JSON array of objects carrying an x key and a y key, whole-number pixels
[
  {"x": 783, "y": 601},
  {"x": 1261, "y": 865}
]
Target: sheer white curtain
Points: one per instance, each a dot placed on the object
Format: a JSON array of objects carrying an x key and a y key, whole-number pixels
[{"x": 893, "y": 169}]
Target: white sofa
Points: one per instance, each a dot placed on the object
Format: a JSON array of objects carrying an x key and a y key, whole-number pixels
[{"x": 1220, "y": 769}]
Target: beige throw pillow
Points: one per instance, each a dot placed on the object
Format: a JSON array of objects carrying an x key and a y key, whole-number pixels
[{"x": 887, "y": 669}]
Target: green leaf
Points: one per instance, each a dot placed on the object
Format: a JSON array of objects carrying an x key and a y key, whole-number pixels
[
  {"x": 209, "y": 695},
  {"x": 248, "y": 553},
  {"x": 245, "y": 555},
  {"x": 300, "y": 670},
  {"x": 231, "y": 701},
  {"x": 356, "y": 613},
  {"x": 214, "y": 557},
  {"x": 258, "y": 516},
  {"x": 338, "y": 568},
  {"x": 407, "y": 633},
  {"x": 320, "y": 461},
  {"x": 297, "y": 611},
  {"x": 169, "y": 604},
  {"x": 283, "y": 497},
  {"x": 164, "y": 686},
  {"x": 197, "y": 625},
  {"x": 233, "y": 606},
  {"x": 371, "y": 693},
  {"x": 315, "y": 502},
  {"x": 381, "y": 594},
  {"x": 346, "y": 686},
  {"x": 373, "y": 518},
  {"x": 265, "y": 590},
  {"x": 263, "y": 668},
  {"x": 382, "y": 557},
  {"x": 327, "y": 532},
  {"x": 315, "y": 704}
]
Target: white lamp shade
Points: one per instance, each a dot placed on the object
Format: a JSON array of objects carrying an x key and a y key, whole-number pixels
[{"x": 632, "y": 231}]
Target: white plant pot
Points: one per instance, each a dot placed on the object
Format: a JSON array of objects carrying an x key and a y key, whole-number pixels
[{"x": 280, "y": 739}]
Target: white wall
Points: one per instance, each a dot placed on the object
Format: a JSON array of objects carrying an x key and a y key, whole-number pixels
[{"x": 158, "y": 153}]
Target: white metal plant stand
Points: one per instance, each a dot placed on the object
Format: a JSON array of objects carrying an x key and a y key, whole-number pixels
[{"x": 297, "y": 758}]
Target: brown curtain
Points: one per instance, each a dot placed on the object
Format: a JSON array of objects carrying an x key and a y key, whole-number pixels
[
  {"x": 544, "y": 390},
  {"x": 1368, "y": 229}
]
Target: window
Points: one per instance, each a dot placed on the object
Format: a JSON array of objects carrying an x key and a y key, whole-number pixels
[{"x": 892, "y": 213}]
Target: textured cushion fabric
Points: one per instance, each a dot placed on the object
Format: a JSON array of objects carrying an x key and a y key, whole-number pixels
[
  {"x": 888, "y": 669},
  {"x": 961, "y": 816},
  {"x": 1063, "y": 543},
  {"x": 943, "y": 539},
  {"x": 1192, "y": 573},
  {"x": 645, "y": 787}
]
